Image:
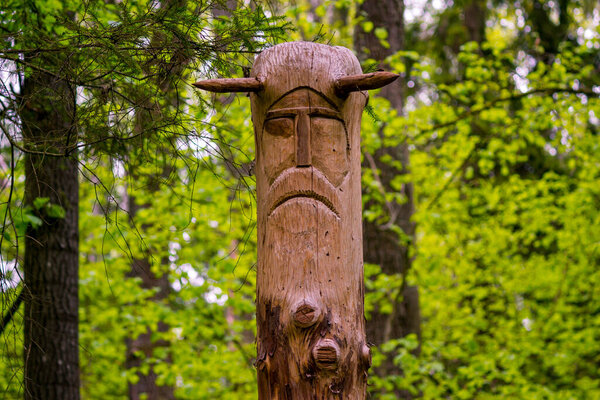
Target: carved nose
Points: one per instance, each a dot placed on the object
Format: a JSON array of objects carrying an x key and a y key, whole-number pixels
[{"x": 303, "y": 156}]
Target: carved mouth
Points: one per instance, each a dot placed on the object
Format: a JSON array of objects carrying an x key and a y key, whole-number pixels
[
  {"x": 305, "y": 194},
  {"x": 303, "y": 182}
]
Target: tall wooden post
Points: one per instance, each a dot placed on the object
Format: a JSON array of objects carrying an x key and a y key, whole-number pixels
[{"x": 307, "y": 102}]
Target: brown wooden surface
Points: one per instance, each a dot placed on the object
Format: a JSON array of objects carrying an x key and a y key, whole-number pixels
[
  {"x": 311, "y": 335},
  {"x": 307, "y": 102},
  {"x": 355, "y": 83},
  {"x": 227, "y": 85}
]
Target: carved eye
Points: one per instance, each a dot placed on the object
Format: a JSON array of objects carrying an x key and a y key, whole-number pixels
[
  {"x": 329, "y": 147},
  {"x": 283, "y": 127}
]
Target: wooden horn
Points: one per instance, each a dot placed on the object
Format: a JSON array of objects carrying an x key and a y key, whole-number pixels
[
  {"x": 228, "y": 85},
  {"x": 356, "y": 83}
]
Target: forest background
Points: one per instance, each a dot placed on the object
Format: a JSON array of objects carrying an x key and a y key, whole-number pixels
[{"x": 480, "y": 192}]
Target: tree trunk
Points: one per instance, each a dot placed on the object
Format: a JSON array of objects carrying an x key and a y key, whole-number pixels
[
  {"x": 311, "y": 340},
  {"x": 51, "y": 351},
  {"x": 383, "y": 246},
  {"x": 307, "y": 103},
  {"x": 146, "y": 387},
  {"x": 474, "y": 20}
]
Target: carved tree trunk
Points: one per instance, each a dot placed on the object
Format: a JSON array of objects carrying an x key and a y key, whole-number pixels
[
  {"x": 311, "y": 338},
  {"x": 51, "y": 263},
  {"x": 306, "y": 108}
]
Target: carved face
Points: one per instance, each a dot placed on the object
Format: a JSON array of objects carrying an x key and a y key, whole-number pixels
[
  {"x": 304, "y": 129},
  {"x": 309, "y": 268},
  {"x": 305, "y": 158}
]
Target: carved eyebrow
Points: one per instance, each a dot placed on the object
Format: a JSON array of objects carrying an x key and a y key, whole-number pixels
[{"x": 312, "y": 111}]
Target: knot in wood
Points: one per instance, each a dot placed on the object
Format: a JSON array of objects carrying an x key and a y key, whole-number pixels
[
  {"x": 305, "y": 314},
  {"x": 366, "y": 355},
  {"x": 326, "y": 354}
]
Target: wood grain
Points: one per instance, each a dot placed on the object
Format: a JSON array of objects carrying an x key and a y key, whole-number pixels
[
  {"x": 307, "y": 101},
  {"x": 355, "y": 83},
  {"x": 227, "y": 85},
  {"x": 311, "y": 329}
]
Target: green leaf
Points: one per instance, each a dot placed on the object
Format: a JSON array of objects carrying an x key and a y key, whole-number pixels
[
  {"x": 367, "y": 26},
  {"x": 40, "y": 202},
  {"x": 32, "y": 220},
  {"x": 381, "y": 33},
  {"x": 55, "y": 211}
]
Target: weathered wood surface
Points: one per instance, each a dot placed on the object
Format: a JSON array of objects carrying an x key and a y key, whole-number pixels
[
  {"x": 311, "y": 335},
  {"x": 307, "y": 103},
  {"x": 355, "y": 83},
  {"x": 226, "y": 85}
]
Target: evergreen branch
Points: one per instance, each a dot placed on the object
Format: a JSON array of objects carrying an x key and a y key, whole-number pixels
[
  {"x": 11, "y": 312},
  {"x": 72, "y": 81},
  {"x": 102, "y": 46}
]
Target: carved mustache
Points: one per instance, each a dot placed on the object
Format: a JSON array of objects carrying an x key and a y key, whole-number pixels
[{"x": 303, "y": 182}]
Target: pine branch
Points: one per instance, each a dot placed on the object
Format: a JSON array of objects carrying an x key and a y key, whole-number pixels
[{"x": 11, "y": 312}]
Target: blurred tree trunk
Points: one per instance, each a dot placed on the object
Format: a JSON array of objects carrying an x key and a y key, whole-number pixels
[
  {"x": 474, "y": 15},
  {"x": 383, "y": 246},
  {"x": 51, "y": 262},
  {"x": 152, "y": 278},
  {"x": 142, "y": 268},
  {"x": 143, "y": 347}
]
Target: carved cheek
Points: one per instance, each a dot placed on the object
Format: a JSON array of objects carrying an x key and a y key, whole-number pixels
[
  {"x": 278, "y": 146},
  {"x": 329, "y": 149}
]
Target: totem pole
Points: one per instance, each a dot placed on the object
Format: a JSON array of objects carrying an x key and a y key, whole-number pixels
[{"x": 307, "y": 100}]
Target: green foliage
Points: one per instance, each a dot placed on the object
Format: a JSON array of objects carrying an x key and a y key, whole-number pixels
[
  {"x": 506, "y": 250},
  {"x": 123, "y": 59},
  {"x": 206, "y": 352},
  {"x": 43, "y": 206}
]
